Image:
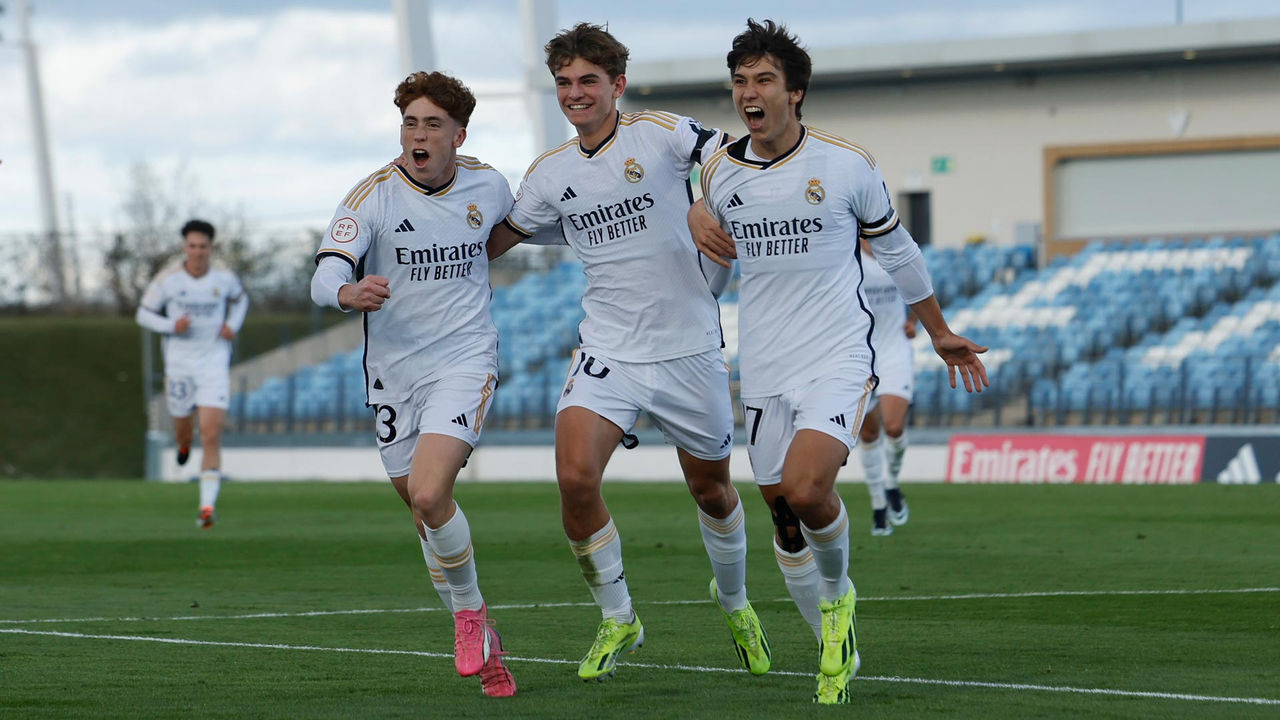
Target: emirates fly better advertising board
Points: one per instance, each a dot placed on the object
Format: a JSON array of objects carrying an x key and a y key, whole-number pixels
[{"x": 1103, "y": 459}]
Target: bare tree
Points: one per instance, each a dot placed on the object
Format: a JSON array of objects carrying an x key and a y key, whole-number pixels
[
  {"x": 153, "y": 210},
  {"x": 275, "y": 270}
]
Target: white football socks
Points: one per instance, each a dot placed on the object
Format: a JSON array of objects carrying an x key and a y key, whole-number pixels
[
  {"x": 872, "y": 454},
  {"x": 210, "y": 484},
  {"x": 800, "y": 574},
  {"x": 897, "y": 449},
  {"x": 726, "y": 542},
  {"x": 830, "y": 547},
  {"x": 600, "y": 559},
  {"x": 437, "y": 575},
  {"x": 452, "y": 546}
]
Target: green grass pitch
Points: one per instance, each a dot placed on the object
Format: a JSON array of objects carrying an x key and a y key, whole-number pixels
[{"x": 311, "y": 600}]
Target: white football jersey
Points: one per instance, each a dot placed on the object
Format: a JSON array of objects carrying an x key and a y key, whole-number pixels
[
  {"x": 430, "y": 244},
  {"x": 887, "y": 307},
  {"x": 205, "y": 299},
  {"x": 795, "y": 221},
  {"x": 622, "y": 209}
]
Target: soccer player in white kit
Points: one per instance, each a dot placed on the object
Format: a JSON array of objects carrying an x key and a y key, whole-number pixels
[
  {"x": 794, "y": 200},
  {"x": 414, "y": 235},
  {"x": 199, "y": 309},
  {"x": 651, "y": 340},
  {"x": 895, "y": 368}
]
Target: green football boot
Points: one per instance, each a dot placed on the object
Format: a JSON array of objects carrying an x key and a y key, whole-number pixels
[
  {"x": 839, "y": 643},
  {"x": 750, "y": 640},
  {"x": 834, "y": 690},
  {"x": 612, "y": 639}
]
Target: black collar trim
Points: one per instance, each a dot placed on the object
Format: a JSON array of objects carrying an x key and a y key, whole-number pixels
[
  {"x": 427, "y": 189},
  {"x": 738, "y": 151},
  {"x": 617, "y": 118}
]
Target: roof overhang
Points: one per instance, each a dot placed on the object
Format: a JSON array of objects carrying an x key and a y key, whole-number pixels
[{"x": 1128, "y": 48}]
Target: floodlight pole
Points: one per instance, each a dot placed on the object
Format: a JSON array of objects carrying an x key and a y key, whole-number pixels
[
  {"x": 44, "y": 171},
  {"x": 413, "y": 35},
  {"x": 538, "y": 25}
]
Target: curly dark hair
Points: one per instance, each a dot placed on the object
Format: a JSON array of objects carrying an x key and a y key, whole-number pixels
[
  {"x": 200, "y": 226},
  {"x": 592, "y": 43},
  {"x": 447, "y": 92},
  {"x": 774, "y": 40}
]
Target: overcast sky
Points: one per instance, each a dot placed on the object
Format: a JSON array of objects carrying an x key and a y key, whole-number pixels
[{"x": 277, "y": 108}]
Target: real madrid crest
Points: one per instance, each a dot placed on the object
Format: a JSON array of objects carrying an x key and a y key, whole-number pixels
[
  {"x": 814, "y": 193},
  {"x": 474, "y": 218},
  {"x": 633, "y": 171}
]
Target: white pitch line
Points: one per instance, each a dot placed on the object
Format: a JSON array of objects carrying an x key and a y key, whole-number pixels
[
  {"x": 536, "y": 606},
  {"x": 1076, "y": 593},
  {"x": 654, "y": 666}
]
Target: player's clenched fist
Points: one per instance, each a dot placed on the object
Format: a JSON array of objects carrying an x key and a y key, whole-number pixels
[{"x": 366, "y": 295}]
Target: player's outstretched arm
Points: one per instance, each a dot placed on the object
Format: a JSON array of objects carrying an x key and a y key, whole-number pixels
[
  {"x": 368, "y": 295},
  {"x": 709, "y": 237},
  {"x": 958, "y": 352}
]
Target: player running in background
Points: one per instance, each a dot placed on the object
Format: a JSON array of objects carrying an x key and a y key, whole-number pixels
[
  {"x": 414, "y": 235},
  {"x": 794, "y": 201},
  {"x": 894, "y": 326},
  {"x": 199, "y": 309},
  {"x": 651, "y": 339}
]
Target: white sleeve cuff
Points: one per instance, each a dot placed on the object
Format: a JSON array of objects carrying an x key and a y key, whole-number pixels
[
  {"x": 913, "y": 280},
  {"x": 331, "y": 274},
  {"x": 899, "y": 255},
  {"x": 153, "y": 321}
]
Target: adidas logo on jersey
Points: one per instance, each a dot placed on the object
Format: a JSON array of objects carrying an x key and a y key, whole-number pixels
[
  {"x": 569, "y": 194},
  {"x": 1243, "y": 468},
  {"x": 736, "y": 201},
  {"x": 404, "y": 226},
  {"x": 839, "y": 420},
  {"x": 461, "y": 420},
  {"x": 727, "y": 440}
]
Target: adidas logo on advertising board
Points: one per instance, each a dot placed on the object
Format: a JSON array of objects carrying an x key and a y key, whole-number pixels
[{"x": 1243, "y": 468}]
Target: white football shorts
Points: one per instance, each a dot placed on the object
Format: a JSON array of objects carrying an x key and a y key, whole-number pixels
[
  {"x": 896, "y": 369},
  {"x": 834, "y": 405},
  {"x": 187, "y": 392},
  {"x": 687, "y": 398},
  {"x": 454, "y": 405}
]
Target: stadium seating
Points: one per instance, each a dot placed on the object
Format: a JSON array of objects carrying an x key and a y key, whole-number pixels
[
  {"x": 1189, "y": 328},
  {"x": 537, "y": 320},
  {"x": 1185, "y": 327}
]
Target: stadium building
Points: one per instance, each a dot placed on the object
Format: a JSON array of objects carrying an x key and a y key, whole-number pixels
[
  {"x": 1093, "y": 205},
  {"x": 1157, "y": 131}
]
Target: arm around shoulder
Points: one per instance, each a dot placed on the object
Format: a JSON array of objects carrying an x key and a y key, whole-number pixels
[{"x": 501, "y": 239}]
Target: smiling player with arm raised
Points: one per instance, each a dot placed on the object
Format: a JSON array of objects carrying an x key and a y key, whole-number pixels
[
  {"x": 414, "y": 235},
  {"x": 794, "y": 200},
  {"x": 651, "y": 340}
]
